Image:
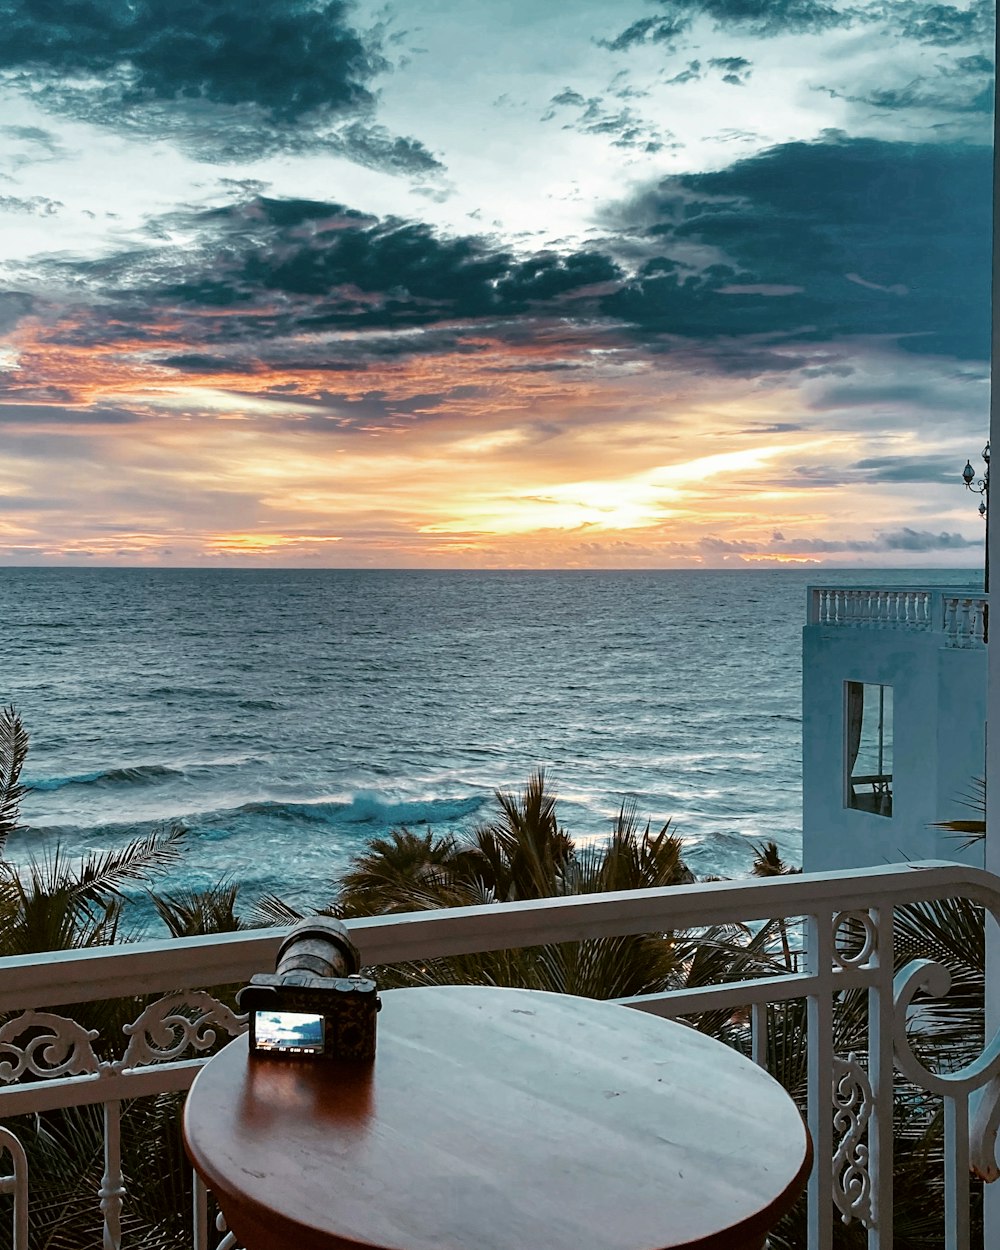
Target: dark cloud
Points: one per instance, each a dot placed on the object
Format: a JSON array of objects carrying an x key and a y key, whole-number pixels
[
  {"x": 960, "y": 86},
  {"x": 347, "y": 269},
  {"x": 746, "y": 271},
  {"x": 879, "y": 238},
  {"x": 890, "y": 540},
  {"x": 38, "y": 416},
  {"x": 922, "y": 540},
  {"x": 568, "y": 96},
  {"x": 287, "y": 57},
  {"x": 664, "y": 29},
  {"x": 13, "y": 306},
  {"x": 262, "y": 286},
  {"x": 34, "y": 205},
  {"x": 908, "y": 469},
  {"x": 195, "y": 363},
  {"x": 777, "y": 427},
  {"x": 691, "y": 74},
  {"x": 756, "y": 17},
  {"x": 627, "y": 128},
  {"x": 942, "y": 25},
  {"x": 735, "y": 70},
  {"x": 211, "y": 74}
]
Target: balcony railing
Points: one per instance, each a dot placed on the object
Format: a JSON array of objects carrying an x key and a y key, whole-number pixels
[
  {"x": 48, "y": 1061},
  {"x": 957, "y": 616}
]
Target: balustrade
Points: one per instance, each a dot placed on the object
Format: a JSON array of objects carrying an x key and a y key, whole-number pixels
[
  {"x": 846, "y": 923},
  {"x": 960, "y": 618}
]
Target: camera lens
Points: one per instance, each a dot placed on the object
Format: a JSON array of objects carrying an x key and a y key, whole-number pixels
[{"x": 318, "y": 946}]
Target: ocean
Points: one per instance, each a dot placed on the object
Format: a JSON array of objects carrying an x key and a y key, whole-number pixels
[{"x": 287, "y": 717}]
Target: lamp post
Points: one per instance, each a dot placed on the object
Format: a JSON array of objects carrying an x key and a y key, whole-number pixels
[{"x": 981, "y": 486}]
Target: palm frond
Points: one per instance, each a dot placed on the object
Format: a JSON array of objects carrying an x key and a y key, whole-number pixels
[
  {"x": 970, "y": 831},
  {"x": 104, "y": 873},
  {"x": 269, "y": 911},
  {"x": 192, "y": 913},
  {"x": 13, "y": 752}
]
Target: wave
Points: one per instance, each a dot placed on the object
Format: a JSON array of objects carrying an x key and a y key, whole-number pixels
[
  {"x": 364, "y": 808},
  {"x": 259, "y": 705},
  {"x": 139, "y": 774}
]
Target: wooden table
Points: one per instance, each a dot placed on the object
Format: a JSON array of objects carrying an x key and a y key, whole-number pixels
[{"x": 498, "y": 1119}]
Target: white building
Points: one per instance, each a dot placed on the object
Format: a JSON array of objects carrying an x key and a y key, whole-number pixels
[{"x": 893, "y": 724}]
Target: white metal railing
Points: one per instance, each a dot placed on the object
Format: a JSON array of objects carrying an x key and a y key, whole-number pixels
[
  {"x": 847, "y": 920},
  {"x": 958, "y": 616}
]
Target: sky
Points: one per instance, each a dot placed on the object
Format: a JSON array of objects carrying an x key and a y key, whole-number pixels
[{"x": 471, "y": 283}]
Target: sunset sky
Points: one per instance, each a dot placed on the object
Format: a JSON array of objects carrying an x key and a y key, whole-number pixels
[{"x": 632, "y": 283}]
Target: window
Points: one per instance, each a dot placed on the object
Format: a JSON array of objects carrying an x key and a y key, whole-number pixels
[{"x": 868, "y": 747}]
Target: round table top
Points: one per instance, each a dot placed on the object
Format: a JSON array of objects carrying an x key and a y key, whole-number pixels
[{"x": 498, "y": 1119}]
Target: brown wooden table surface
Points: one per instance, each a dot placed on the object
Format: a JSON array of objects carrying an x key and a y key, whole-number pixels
[{"x": 498, "y": 1119}]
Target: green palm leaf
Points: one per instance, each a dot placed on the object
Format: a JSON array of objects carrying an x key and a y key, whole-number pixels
[{"x": 13, "y": 752}]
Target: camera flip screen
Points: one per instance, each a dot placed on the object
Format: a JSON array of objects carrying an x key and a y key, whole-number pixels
[{"x": 291, "y": 1032}]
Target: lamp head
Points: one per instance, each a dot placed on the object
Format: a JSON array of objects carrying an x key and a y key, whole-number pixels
[{"x": 968, "y": 473}]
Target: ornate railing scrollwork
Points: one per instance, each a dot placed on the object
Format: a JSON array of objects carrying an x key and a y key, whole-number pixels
[
  {"x": 168, "y": 1027},
  {"x": 853, "y": 1101},
  {"x": 228, "y": 1241},
  {"x": 55, "y": 1046},
  {"x": 978, "y": 1081},
  {"x": 860, "y": 920},
  {"x": 934, "y": 979}
]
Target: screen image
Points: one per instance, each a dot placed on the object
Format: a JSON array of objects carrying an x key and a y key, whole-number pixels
[{"x": 292, "y": 1031}]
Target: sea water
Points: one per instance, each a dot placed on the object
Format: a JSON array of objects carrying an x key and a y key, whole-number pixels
[{"x": 289, "y": 717}]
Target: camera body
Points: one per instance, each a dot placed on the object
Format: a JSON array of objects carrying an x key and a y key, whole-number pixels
[{"x": 315, "y": 1004}]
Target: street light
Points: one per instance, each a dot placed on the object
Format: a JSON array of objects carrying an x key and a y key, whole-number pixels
[{"x": 981, "y": 486}]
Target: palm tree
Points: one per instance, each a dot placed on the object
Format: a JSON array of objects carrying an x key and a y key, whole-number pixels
[
  {"x": 53, "y": 902},
  {"x": 971, "y": 831},
  {"x": 13, "y": 753},
  {"x": 523, "y": 853},
  {"x": 767, "y": 862}
]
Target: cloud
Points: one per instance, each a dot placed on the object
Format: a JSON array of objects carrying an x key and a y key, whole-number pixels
[
  {"x": 221, "y": 81},
  {"x": 13, "y": 306},
  {"x": 35, "y": 205},
  {"x": 922, "y": 540},
  {"x": 861, "y": 236},
  {"x": 626, "y": 127},
  {"x": 39, "y": 416},
  {"x": 766, "y": 18},
  {"x": 942, "y": 24},
  {"x": 663, "y": 29},
  {"x": 333, "y": 266},
  {"x": 935, "y": 24},
  {"x": 884, "y": 541},
  {"x": 781, "y": 262},
  {"x": 934, "y": 469},
  {"x": 24, "y": 145},
  {"x": 962, "y": 86},
  {"x": 735, "y": 70}
]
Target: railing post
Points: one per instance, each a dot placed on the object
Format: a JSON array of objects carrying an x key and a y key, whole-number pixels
[
  {"x": 112, "y": 1184},
  {"x": 199, "y": 1197},
  {"x": 17, "y": 1184},
  {"x": 758, "y": 1034},
  {"x": 956, "y": 1171},
  {"x": 880, "y": 1074},
  {"x": 819, "y": 962}
]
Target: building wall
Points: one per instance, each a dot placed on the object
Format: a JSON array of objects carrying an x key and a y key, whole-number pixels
[{"x": 939, "y": 713}]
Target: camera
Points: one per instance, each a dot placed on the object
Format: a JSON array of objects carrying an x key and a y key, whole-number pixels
[{"x": 315, "y": 1004}]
